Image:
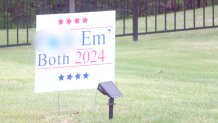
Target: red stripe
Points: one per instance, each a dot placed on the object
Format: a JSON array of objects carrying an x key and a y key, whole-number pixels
[
  {"x": 74, "y": 66},
  {"x": 92, "y": 28}
]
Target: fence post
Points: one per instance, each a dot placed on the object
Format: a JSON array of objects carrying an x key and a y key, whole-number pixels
[
  {"x": 95, "y": 5},
  {"x": 72, "y": 6},
  {"x": 135, "y": 19}
]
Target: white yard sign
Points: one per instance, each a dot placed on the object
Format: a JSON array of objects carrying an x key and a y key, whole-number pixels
[{"x": 74, "y": 51}]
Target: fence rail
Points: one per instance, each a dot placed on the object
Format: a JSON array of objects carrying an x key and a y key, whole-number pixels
[
  {"x": 201, "y": 14},
  {"x": 17, "y": 18}
]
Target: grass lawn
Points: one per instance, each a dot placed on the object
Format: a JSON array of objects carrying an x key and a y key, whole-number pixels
[{"x": 165, "y": 78}]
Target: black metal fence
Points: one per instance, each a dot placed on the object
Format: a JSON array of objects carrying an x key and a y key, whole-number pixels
[
  {"x": 134, "y": 17},
  {"x": 179, "y": 15}
]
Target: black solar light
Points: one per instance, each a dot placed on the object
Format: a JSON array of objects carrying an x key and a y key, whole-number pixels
[{"x": 110, "y": 89}]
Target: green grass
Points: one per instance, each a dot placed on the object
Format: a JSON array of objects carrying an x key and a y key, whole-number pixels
[
  {"x": 165, "y": 78},
  {"x": 169, "y": 77}
]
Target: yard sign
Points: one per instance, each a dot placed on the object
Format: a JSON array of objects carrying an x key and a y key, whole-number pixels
[{"x": 74, "y": 51}]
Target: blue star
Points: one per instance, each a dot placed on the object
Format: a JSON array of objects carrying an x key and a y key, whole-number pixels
[
  {"x": 69, "y": 77},
  {"x": 85, "y": 75},
  {"x": 77, "y": 76},
  {"x": 61, "y": 77}
]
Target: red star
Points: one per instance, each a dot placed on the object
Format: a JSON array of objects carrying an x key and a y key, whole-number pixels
[
  {"x": 85, "y": 20},
  {"x": 69, "y": 21},
  {"x": 60, "y": 21},
  {"x": 76, "y": 20}
]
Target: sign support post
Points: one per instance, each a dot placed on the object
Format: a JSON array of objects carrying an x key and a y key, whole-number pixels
[{"x": 59, "y": 106}]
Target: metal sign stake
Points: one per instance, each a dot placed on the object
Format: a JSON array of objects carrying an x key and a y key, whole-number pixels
[{"x": 59, "y": 107}]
